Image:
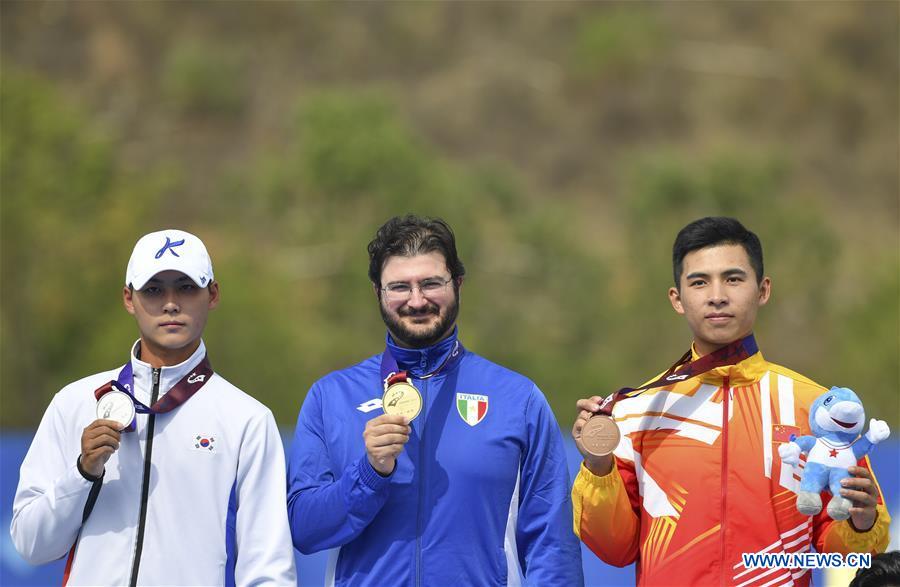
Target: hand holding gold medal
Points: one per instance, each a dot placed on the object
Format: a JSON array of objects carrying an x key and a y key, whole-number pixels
[
  {"x": 386, "y": 435},
  {"x": 401, "y": 398}
]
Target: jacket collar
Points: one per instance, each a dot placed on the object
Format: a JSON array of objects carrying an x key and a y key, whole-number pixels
[
  {"x": 419, "y": 362},
  {"x": 746, "y": 372},
  {"x": 168, "y": 376}
]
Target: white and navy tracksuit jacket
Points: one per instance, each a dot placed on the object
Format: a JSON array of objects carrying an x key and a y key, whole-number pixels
[{"x": 199, "y": 501}]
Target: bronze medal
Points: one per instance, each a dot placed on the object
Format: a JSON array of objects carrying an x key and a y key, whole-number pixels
[
  {"x": 402, "y": 399},
  {"x": 600, "y": 435}
]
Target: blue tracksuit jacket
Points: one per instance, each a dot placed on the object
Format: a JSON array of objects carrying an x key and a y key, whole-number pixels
[{"x": 483, "y": 502}]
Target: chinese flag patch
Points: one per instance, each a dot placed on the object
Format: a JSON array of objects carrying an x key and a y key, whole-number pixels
[{"x": 783, "y": 432}]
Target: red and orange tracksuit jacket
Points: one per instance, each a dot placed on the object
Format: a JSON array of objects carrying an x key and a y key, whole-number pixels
[{"x": 698, "y": 482}]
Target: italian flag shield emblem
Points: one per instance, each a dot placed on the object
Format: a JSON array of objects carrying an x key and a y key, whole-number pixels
[{"x": 471, "y": 407}]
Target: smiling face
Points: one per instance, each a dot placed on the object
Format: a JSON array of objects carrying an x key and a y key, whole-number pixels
[
  {"x": 171, "y": 312},
  {"x": 839, "y": 411},
  {"x": 719, "y": 295},
  {"x": 417, "y": 319}
]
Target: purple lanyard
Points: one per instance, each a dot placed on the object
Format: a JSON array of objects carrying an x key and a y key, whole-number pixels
[
  {"x": 180, "y": 392},
  {"x": 729, "y": 354},
  {"x": 391, "y": 373}
]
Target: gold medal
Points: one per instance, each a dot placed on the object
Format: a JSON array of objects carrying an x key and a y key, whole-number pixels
[
  {"x": 402, "y": 399},
  {"x": 600, "y": 435}
]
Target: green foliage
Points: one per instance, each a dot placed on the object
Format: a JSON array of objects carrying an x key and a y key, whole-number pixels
[
  {"x": 865, "y": 340},
  {"x": 802, "y": 255},
  {"x": 723, "y": 184},
  {"x": 202, "y": 80},
  {"x": 618, "y": 40},
  {"x": 66, "y": 210},
  {"x": 354, "y": 145},
  {"x": 291, "y": 131},
  {"x": 350, "y": 163}
]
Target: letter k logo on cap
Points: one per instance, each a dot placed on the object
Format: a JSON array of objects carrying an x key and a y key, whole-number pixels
[{"x": 169, "y": 246}]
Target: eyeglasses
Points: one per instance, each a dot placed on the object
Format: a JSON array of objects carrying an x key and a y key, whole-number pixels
[{"x": 403, "y": 291}]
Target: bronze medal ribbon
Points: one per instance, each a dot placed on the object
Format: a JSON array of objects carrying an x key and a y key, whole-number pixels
[{"x": 730, "y": 354}]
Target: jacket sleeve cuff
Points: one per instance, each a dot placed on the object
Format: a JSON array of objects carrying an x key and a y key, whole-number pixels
[
  {"x": 87, "y": 476},
  {"x": 844, "y": 537},
  {"x": 603, "y": 517},
  {"x": 606, "y": 482},
  {"x": 72, "y": 483},
  {"x": 593, "y": 492},
  {"x": 370, "y": 477}
]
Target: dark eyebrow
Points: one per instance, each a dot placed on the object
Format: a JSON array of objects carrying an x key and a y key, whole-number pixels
[
  {"x": 727, "y": 273},
  {"x": 424, "y": 279},
  {"x": 734, "y": 271},
  {"x": 696, "y": 274}
]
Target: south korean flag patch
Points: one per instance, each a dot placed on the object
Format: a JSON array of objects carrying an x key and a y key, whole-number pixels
[{"x": 205, "y": 442}]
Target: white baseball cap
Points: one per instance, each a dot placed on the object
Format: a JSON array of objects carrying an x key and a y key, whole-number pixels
[{"x": 171, "y": 249}]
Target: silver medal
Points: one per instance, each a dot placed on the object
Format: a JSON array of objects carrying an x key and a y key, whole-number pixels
[{"x": 116, "y": 406}]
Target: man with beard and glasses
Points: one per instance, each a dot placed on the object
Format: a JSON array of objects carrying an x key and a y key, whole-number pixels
[{"x": 427, "y": 464}]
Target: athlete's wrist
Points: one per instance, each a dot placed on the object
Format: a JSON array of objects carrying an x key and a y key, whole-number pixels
[
  {"x": 862, "y": 526},
  {"x": 89, "y": 476},
  {"x": 600, "y": 466}
]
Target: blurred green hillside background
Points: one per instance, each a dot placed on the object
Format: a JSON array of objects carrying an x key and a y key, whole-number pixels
[{"x": 566, "y": 143}]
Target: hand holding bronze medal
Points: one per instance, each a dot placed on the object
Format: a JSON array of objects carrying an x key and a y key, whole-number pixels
[{"x": 600, "y": 435}]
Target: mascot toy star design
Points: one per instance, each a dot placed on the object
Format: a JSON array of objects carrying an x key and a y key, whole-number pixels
[{"x": 836, "y": 418}]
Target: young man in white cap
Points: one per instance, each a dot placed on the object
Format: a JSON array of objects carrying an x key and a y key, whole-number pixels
[{"x": 159, "y": 472}]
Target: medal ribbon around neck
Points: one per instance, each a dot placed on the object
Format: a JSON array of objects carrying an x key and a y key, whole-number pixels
[
  {"x": 181, "y": 392},
  {"x": 391, "y": 373},
  {"x": 729, "y": 354}
]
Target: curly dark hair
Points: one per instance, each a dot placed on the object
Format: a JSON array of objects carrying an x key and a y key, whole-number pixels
[{"x": 411, "y": 235}]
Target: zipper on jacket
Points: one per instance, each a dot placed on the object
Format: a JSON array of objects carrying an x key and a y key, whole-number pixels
[
  {"x": 421, "y": 487},
  {"x": 726, "y": 390},
  {"x": 145, "y": 483}
]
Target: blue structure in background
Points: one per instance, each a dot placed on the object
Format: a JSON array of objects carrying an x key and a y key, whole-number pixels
[{"x": 15, "y": 572}]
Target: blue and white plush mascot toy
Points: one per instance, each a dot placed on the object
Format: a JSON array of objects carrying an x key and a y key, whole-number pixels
[{"x": 837, "y": 419}]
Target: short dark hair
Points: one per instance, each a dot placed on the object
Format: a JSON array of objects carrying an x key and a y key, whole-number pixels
[
  {"x": 884, "y": 572},
  {"x": 712, "y": 231},
  {"x": 412, "y": 235}
]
